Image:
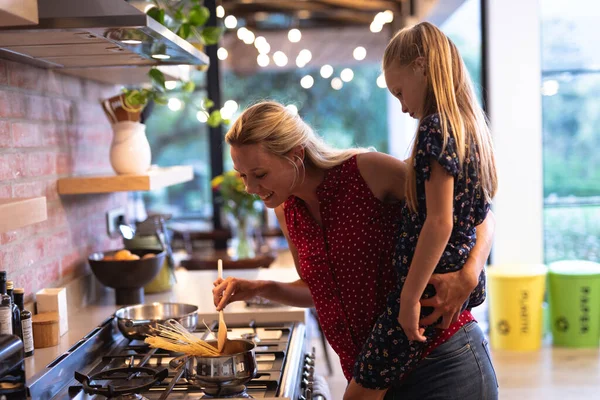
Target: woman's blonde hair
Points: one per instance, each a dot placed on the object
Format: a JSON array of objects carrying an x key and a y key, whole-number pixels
[
  {"x": 280, "y": 130},
  {"x": 450, "y": 94}
]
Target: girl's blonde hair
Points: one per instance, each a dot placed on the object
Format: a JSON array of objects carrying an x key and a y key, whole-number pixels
[
  {"x": 280, "y": 130},
  {"x": 450, "y": 94}
]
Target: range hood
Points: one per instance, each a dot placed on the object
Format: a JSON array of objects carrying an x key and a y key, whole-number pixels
[{"x": 95, "y": 33}]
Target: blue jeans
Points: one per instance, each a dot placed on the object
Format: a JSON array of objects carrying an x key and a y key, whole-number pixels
[{"x": 459, "y": 369}]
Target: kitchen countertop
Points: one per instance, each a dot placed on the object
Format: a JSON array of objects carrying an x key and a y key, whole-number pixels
[{"x": 193, "y": 287}]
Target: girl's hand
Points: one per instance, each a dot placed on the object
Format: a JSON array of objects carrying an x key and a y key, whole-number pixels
[
  {"x": 231, "y": 289},
  {"x": 409, "y": 320}
]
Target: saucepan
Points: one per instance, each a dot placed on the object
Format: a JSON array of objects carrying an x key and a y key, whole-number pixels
[
  {"x": 139, "y": 321},
  {"x": 224, "y": 374}
]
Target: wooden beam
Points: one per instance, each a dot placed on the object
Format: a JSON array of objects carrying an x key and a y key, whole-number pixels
[{"x": 371, "y": 5}]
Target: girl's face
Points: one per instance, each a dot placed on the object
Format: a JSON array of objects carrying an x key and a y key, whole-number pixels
[
  {"x": 409, "y": 85},
  {"x": 264, "y": 174}
]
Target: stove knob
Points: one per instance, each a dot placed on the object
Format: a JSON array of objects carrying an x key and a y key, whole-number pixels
[
  {"x": 308, "y": 393},
  {"x": 304, "y": 383},
  {"x": 301, "y": 397},
  {"x": 309, "y": 369}
]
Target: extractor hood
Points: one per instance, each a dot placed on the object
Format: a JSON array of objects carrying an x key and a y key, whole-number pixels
[{"x": 95, "y": 33}]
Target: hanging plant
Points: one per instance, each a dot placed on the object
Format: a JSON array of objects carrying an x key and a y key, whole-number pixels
[{"x": 187, "y": 18}]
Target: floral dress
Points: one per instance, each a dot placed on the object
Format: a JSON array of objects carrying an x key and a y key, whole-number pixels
[{"x": 387, "y": 354}]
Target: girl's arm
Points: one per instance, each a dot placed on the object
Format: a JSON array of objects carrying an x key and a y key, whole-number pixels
[
  {"x": 454, "y": 288},
  {"x": 294, "y": 294},
  {"x": 434, "y": 236}
]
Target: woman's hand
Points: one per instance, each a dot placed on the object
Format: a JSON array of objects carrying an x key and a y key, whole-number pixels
[
  {"x": 452, "y": 291},
  {"x": 409, "y": 320},
  {"x": 231, "y": 289}
]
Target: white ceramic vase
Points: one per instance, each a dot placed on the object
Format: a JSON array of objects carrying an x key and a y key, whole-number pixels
[{"x": 130, "y": 151}]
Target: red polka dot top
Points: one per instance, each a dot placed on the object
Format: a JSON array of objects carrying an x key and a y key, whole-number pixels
[{"x": 346, "y": 262}]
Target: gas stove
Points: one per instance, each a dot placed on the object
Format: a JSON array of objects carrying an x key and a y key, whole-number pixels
[{"x": 105, "y": 365}]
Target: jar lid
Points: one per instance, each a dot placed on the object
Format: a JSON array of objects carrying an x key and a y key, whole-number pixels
[
  {"x": 574, "y": 268},
  {"x": 45, "y": 318}
]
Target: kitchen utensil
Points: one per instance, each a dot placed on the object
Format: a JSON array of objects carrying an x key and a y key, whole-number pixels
[
  {"x": 172, "y": 336},
  {"x": 139, "y": 321},
  {"x": 127, "y": 277},
  {"x": 222, "y": 333},
  {"x": 223, "y": 374},
  {"x": 12, "y": 368}
]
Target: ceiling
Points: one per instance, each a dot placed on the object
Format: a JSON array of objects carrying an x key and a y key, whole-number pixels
[
  {"x": 285, "y": 14},
  {"x": 331, "y": 29}
]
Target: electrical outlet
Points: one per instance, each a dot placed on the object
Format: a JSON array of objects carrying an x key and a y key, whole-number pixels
[{"x": 113, "y": 218}]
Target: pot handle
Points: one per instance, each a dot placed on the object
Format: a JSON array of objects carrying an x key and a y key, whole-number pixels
[
  {"x": 130, "y": 323},
  {"x": 177, "y": 362}
]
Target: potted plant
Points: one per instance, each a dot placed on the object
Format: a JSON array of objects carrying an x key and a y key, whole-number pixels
[{"x": 130, "y": 150}]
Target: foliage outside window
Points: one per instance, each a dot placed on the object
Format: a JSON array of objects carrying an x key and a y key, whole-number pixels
[{"x": 571, "y": 133}]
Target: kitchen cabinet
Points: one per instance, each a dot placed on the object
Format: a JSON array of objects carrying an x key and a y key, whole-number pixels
[
  {"x": 18, "y": 12},
  {"x": 19, "y": 212},
  {"x": 155, "y": 178}
]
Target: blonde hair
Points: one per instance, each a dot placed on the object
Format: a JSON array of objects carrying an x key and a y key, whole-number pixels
[
  {"x": 279, "y": 131},
  {"x": 450, "y": 94}
]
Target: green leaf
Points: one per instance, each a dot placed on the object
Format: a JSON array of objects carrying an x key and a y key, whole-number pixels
[
  {"x": 184, "y": 30},
  {"x": 157, "y": 13},
  {"x": 214, "y": 119},
  {"x": 136, "y": 98},
  {"x": 208, "y": 103},
  {"x": 188, "y": 87},
  {"x": 211, "y": 35},
  {"x": 179, "y": 15},
  {"x": 157, "y": 77},
  {"x": 159, "y": 99},
  {"x": 198, "y": 16}
]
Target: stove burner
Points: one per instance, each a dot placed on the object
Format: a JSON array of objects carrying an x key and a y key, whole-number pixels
[
  {"x": 125, "y": 392},
  {"x": 238, "y": 391}
]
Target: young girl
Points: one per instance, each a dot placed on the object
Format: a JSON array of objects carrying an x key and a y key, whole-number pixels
[{"x": 449, "y": 190}]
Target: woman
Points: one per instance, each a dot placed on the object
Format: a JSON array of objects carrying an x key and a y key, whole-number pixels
[{"x": 339, "y": 210}]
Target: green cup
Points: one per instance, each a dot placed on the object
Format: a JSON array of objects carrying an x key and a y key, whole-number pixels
[{"x": 574, "y": 294}]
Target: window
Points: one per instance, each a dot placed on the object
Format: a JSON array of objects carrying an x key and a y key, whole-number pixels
[
  {"x": 463, "y": 27},
  {"x": 571, "y": 129},
  {"x": 351, "y": 116},
  {"x": 177, "y": 138}
]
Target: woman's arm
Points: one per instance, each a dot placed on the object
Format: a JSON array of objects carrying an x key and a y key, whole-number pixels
[
  {"x": 294, "y": 293},
  {"x": 454, "y": 288},
  {"x": 385, "y": 175},
  {"x": 434, "y": 236}
]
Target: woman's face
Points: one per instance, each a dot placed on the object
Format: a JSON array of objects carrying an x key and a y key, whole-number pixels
[
  {"x": 264, "y": 174},
  {"x": 408, "y": 84}
]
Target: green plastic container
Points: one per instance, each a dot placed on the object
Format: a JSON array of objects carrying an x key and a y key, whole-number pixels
[{"x": 574, "y": 295}]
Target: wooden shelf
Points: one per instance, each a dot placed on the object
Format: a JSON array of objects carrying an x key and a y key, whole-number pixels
[
  {"x": 19, "y": 12},
  {"x": 16, "y": 213},
  {"x": 155, "y": 179}
]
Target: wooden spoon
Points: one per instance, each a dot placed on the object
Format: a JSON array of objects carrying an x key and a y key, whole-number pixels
[{"x": 222, "y": 333}]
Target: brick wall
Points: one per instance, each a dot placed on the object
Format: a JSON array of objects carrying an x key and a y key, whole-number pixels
[{"x": 51, "y": 126}]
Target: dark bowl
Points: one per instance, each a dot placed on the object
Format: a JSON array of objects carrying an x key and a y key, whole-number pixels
[{"x": 127, "y": 277}]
